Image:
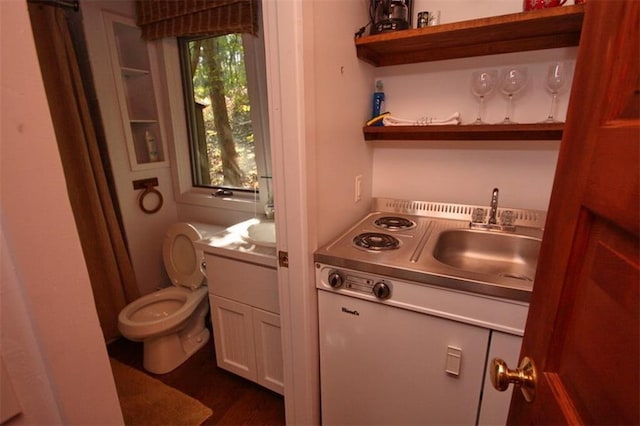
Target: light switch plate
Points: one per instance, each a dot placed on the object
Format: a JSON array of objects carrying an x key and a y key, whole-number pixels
[{"x": 358, "y": 188}]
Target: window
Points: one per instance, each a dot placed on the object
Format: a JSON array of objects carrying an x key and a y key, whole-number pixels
[{"x": 225, "y": 100}]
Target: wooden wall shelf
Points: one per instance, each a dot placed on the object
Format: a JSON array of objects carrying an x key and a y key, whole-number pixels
[
  {"x": 516, "y": 32},
  {"x": 552, "y": 131},
  {"x": 525, "y": 31}
]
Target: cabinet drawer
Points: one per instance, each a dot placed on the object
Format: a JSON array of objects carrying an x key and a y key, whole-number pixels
[{"x": 243, "y": 282}]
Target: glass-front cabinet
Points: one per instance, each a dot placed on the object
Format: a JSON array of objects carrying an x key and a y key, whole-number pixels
[{"x": 133, "y": 60}]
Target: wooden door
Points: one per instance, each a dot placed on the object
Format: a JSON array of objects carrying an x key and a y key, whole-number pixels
[{"x": 582, "y": 329}]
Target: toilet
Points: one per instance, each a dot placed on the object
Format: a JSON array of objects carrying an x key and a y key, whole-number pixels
[{"x": 171, "y": 321}]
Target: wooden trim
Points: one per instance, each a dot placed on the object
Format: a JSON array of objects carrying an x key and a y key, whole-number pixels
[{"x": 551, "y": 131}]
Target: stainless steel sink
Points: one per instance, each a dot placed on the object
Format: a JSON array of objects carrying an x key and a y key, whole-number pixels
[{"x": 486, "y": 252}]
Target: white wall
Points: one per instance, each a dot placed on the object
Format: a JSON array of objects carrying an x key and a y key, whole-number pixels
[
  {"x": 51, "y": 342},
  {"x": 26, "y": 371},
  {"x": 436, "y": 89},
  {"x": 462, "y": 10},
  {"x": 466, "y": 171},
  {"x": 343, "y": 87}
]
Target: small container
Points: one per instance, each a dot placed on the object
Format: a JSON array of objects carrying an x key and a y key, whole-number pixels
[
  {"x": 152, "y": 146},
  {"x": 378, "y": 102},
  {"x": 427, "y": 19},
  {"x": 423, "y": 20}
]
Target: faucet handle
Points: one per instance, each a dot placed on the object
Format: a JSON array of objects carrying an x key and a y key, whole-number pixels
[
  {"x": 507, "y": 218},
  {"x": 478, "y": 215}
]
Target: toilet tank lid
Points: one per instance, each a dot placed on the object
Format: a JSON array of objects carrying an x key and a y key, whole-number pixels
[{"x": 182, "y": 261}]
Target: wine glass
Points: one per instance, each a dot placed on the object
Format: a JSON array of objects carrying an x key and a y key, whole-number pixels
[
  {"x": 513, "y": 81},
  {"x": 557, "y": 78},
  {"x": 482, "y": 85}
]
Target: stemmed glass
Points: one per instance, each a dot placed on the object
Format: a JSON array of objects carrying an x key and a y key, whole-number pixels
[
  {"x": 482, "y": 85},
  {"x": 557, "y": 77},
  {"x": 513, "y": 81}
]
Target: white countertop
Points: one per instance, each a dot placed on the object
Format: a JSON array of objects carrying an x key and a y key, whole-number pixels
[{"x": 230, "y": 243}]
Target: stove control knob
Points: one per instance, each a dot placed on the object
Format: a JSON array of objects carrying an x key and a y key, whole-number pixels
[
  {"x": 382, "y": 290},
  {"x": 336, "y": 279}
]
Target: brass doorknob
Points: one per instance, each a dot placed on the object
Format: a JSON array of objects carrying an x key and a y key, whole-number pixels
[{"x": 523, "y": 377}]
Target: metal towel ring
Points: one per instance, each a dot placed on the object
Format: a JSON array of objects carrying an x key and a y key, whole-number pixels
[{"x": 150, "y": 190}]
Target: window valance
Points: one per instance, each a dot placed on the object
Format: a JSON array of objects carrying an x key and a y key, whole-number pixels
[{"x": 176, "y": 18}]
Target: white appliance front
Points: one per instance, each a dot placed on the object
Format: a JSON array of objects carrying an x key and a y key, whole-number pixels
[{"x": 383, "y": 365}]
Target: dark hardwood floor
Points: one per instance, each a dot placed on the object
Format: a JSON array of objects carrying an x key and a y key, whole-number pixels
[{"x": 233, "y": 400}]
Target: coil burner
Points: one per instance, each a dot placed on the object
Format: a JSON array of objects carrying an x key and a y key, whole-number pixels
[
  {"x": 375, "y": 241},
  {"x": 394, "y": 223}
]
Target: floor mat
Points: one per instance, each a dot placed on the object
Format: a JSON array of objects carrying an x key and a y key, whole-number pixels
[{"x": 147, "y": 401}]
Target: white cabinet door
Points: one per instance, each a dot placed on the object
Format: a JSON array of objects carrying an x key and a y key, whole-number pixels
[
  {"x": 388, "y": 366},
  {"x": 268, "y": 342},
  {"x": 495, "y": 405},
  {"x": 233, "y": 336},
  {"x": 248, "y": 342}
]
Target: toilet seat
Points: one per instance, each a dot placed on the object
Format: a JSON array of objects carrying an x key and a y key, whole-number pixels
[
  {"x": 179, "y": 303},
  {"x": 182, "y": 261}
]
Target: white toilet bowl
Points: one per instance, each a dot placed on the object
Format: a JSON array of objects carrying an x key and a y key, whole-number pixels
[{"x": 171, "y": 322}]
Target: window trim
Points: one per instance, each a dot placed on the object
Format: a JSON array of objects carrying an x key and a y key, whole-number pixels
[{"x": 185, "y": 191}]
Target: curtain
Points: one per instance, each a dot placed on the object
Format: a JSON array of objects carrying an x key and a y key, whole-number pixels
[
  {"x": 101, "y": 237},
  {"x": 177, "y": 18}
]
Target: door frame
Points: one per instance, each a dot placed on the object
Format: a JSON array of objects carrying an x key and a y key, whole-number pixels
[{"x": 289, "y": 98}]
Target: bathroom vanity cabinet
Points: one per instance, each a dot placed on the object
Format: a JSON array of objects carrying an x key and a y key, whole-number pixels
[{"x": 245, "y": 313}]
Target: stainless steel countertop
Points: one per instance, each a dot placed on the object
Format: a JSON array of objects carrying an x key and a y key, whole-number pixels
[{"x": 415, "y": 261}]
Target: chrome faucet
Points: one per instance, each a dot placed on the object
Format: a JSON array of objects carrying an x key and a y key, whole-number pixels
[
  {"x": 493, "y": 212},
  {"x": 479, "y": 214}
]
